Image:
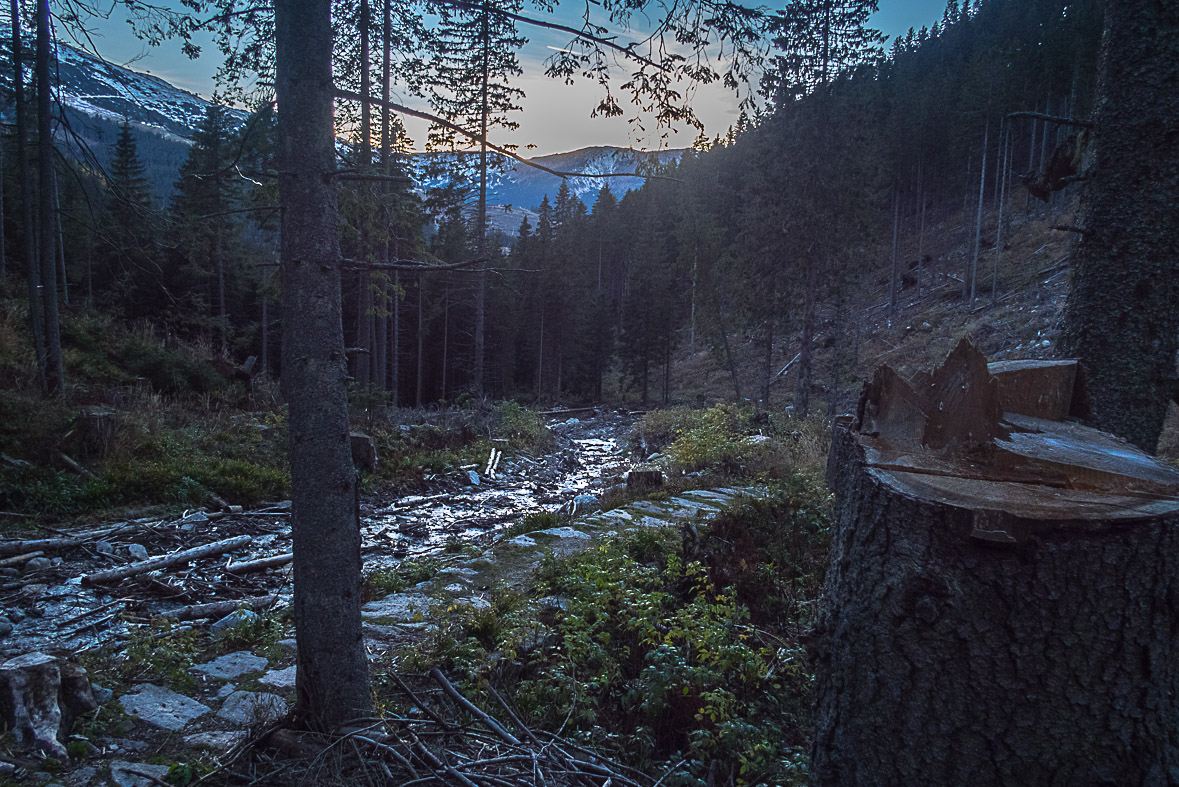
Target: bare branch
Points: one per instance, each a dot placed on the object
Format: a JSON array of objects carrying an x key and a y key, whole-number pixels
[
  {"x": 417, "y": 113},
  {"x": 1052, "y": 119}
]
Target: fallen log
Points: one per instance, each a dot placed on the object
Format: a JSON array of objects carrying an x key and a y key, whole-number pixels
[
  {"x": 55, "y": 544},
  {"x": 999, "y": 607},
  {"x": 261, "y": 564},
  {"x": 163, "y": 561},
  {"x": 16, "y": 561},
  {"x": 219, "y": 609}
]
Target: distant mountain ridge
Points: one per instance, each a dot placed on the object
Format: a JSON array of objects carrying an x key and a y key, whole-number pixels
[{"x": 111, "y": 93}]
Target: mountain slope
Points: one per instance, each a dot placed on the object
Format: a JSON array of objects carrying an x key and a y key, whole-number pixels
[
  {"x": 104, "y": 90},
  {"x": 107, "y": 92}
]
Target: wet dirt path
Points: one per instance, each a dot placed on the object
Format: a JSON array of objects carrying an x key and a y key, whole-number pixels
[{"x": 50, "y": 609}]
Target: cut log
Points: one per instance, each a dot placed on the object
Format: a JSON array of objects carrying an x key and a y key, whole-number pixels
[
  {"x": 163, "y": 561},
  {"x": 998, "y": 610},
  {"x": 261, "y": 564},
  {"x": 218, "y": 609},
  {"x": 364, "y": 451}
]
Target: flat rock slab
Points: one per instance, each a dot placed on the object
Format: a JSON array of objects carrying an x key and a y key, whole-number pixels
[
  {"x": 137, "y": 774},
  {"x": 398, "y": 606},
  {"x": 711, "y": 496},
  {"x": 163, "y": 708},
  {"x": 247, "y": 707},
  {"x": 280, "y": 678},
  {"x": 521, "y": 541},
  {"x": 563, "y": 532},
  {"x": 232, "y": 665},
  {"x": 216, "y": 740}
]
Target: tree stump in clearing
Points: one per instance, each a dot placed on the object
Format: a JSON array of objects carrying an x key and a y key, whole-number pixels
[{"x": 1001, "y": 603}]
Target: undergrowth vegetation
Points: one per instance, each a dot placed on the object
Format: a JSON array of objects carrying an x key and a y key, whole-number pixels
[
  {"x": 729, "y": 442},
  {"x": 152, "y": 421},
  {"x": 677, "y": 651}
]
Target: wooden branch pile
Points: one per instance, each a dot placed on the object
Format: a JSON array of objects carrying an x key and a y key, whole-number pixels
[{"x": 449, "y": 742}]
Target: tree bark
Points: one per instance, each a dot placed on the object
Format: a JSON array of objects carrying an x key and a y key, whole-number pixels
[
  {"x": 1122, "y": 316},
  {"x": 999, "y": 609},
  {"x": 47, "y": 251},
  {"x": 333, "y": 681}
]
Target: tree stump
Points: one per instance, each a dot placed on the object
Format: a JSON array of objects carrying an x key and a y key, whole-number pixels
[{"x": 1001, "y": 601}]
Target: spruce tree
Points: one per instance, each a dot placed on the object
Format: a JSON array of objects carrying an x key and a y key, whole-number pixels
[{"x": 473, "y": 60}]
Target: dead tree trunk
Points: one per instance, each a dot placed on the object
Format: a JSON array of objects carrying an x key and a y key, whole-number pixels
[
  {"x": 333, "y": 682},
  {"x": 1000, "y": 604}
]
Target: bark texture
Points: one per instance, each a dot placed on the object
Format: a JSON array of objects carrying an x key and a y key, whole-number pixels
[
  {"x": 1002, "y": 608},
  {"x": 1122, "y": 316},
  {"x": 333, "y": 682}
]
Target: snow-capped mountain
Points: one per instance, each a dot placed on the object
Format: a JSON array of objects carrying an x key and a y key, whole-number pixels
[
  {"x": 107, "y": 93},
  {"x": 519, "y": 185},
  {"x": 104, "y": 90}
]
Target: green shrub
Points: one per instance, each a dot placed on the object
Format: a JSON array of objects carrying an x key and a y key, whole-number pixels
[
  {"x": 379, "y": 584},
  {"x": 522, "y": 427},
  {"x": 537, "y": 520}
]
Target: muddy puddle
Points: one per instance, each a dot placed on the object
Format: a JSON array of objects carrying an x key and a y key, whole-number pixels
[{"x": 52, "y": 606}]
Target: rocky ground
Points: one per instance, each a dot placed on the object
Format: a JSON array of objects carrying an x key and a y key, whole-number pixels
[{"x": 60, "y": 602}]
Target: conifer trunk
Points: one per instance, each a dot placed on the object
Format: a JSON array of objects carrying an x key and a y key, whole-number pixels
[
  {"x": 332, "y": 678},
  {"x": 32, "y": 264},
  {"x": 365, "y": 359},
  {"x": 47, "y": 224},
  {"x": 802, "y": 396},
  {"x": 481, "y": 219},
  {"x": 1122, "y": 316}
]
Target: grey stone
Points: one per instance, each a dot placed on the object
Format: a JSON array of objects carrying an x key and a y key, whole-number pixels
[
  {"x": 7, "y": 768},
  {"x": 461, "y": 572},
  {"x": 5, "y": 626},
  {"x": 474, "y": 602},
  {"x": 104, "y": 548},
  {"x": 563, "y": 532},
  {"x": 280, "y": 678},
  {"x": 572, "y": 421},
  {"x": 84, "y": 775},
  {"x": 225, "y": 690},
  {"x": 160, "y": 707},
  {"x": 137, "y": 774},
  {"x": 289, "y": 644},
  {"x": 232, "y": 665},
  {"x": 137, "y": 551},
  {"x": 455, "y": 588},
  {"x": 473, "y": 477},
  {"x": 248, "y": 707},
  {"x": 398, "y": 606},
  {"x": 101, "y": 696},
  {"x": 217, "y": 740},
  {"x": 232, "y": 620},
  {"x": 38, "y": 564},
  {"x": 522, "y": 541}
]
